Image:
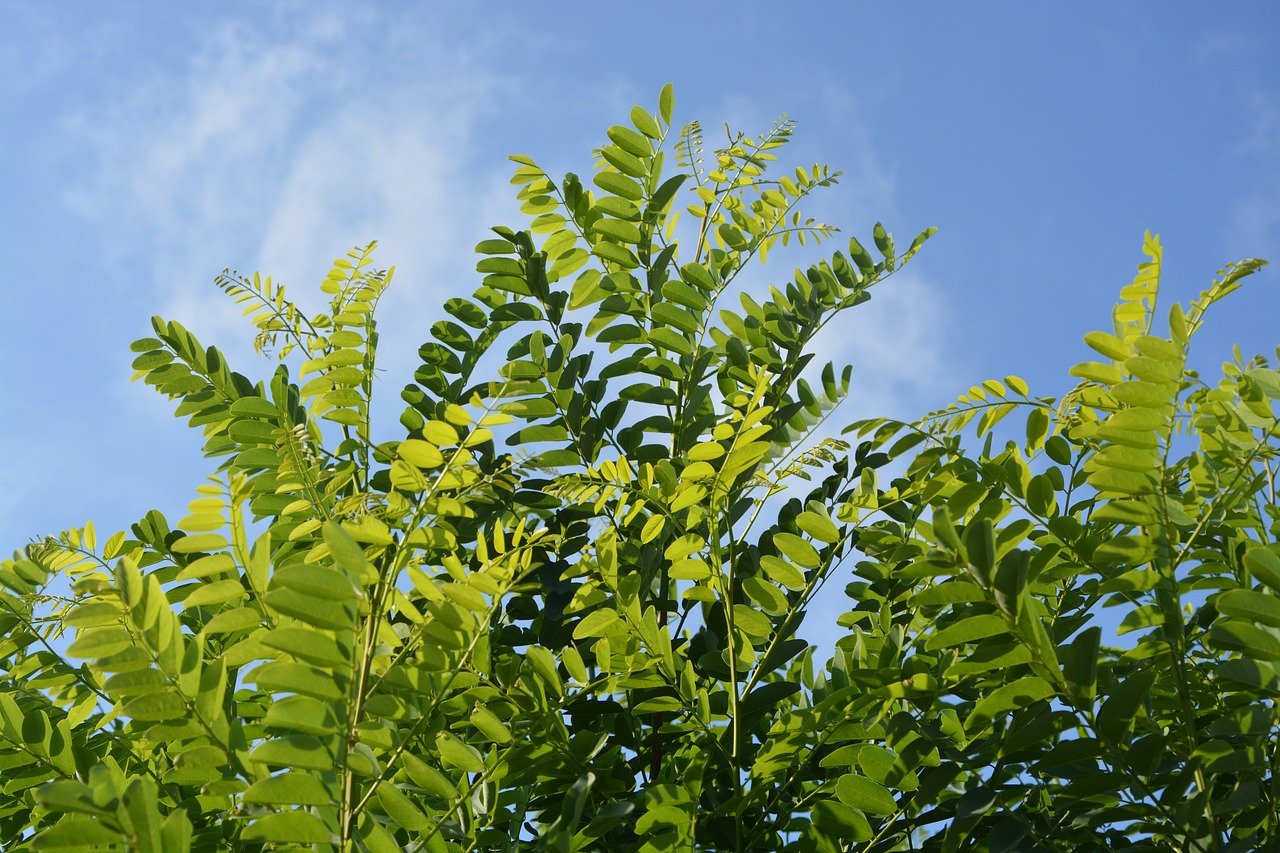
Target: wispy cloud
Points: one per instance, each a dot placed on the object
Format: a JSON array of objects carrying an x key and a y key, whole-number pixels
[
  {"x": 1255, "y": 209},
  {"x": 264, "y": 153}
]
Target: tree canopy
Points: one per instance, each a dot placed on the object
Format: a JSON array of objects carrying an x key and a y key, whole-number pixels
[{"x": 561, "y": 609}]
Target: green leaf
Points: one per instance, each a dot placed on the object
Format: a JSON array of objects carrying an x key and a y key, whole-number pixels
[
  {"x": 294, "y": 751},
  {"x": 458, "y": 753},
  {"x": 865, "y": 795},
  {"x": 289, "y": 789},
  {"x": 765, "y": 594},
  {"x": 1117, "y": 712},
  {"x": 490, "y": 725},
  {"x": 652, "y": 528},
  {"x": 951, "y": 592},
  {"x": 752, "y": 621},
  {"x": 287, "y": 827},
  {"x": 302, "y": 714},
  {"x": 95, "y": 643},
  {"x": 1258, "y": 607},
  {"x": 666, "y": 103},
  {"x": 683, "y": 294},
  {"x": 625, "y": 163},
  {"x": 797, "y": 550},
  {"x": 199, "y": 542},
  {"x": 837, "y": 819},
  {"x": 818, "y": 524},
  {"x": 77, "y": 833},
  {"x": 141, "y": 807},
  {"x": 1080, "y": 664},
  {"x": 288, "y": 677},
  {"x": 619, "y": 185},
  {"x": 319, "y": 612},
  {"x": 346, "y": 552},
  {"x": 1002, "y": 700},
  {"x": 152, "y": 707},
  {"x": 645, "y": 123},
  {"x": 316, "y": 581},
  {"x": 427, "y": 777},
  {"x": 980, "y": 545},
  {"x": 1109, "y": 345},
  {"x": 400, "y": 809},
  {"x": 423, "y": 454},
  {"x": 308, "y": 645},
  {"x": 598, "y": 623},
  {"x": 968, "y": 630},
  {"x": 229, "y": 621},
  {"x": 1236, "y": 635},
  {"x": 204, "y": 567},
  {"x": 1264, "y": 564},
  {"x": 214, "y": 594},
  {"x": 1252, "y": 673},
  {"x": 780, "y": 571}
]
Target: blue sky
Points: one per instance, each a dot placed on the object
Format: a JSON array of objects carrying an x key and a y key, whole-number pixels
[{"x": 146, "y": 146}]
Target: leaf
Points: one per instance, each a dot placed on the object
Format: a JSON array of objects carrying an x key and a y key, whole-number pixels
[
  {"x": 1246, "y": 604},
  {"x": 1010, "y": 697},
  {"x": 1109, "y": 345},
  {"x": 287, "y": 827},
  {"x": 308, "y": 645},
  {"x": 199, "y": 542},
  {"x": 1080, "y": 665},
  {"x": 294, "y": 751},
  {"x": 968, "y": 630},
  {"x": 1264, "y": 564},
  {"x": 229, "y": 621},
  {"x": 619, "y": 185},
  {"x": 819, "y": 525},
  {"x": 152, "y": 707},
  {"x": 837, "y": 819},
  {"x": 645, "y": 123},
  {"x": 302, "y": 714},
  {"x": 980, "y": 546},
  {"x": 652, "y": 528},
  {"x": 401, "y": 809},
  {"x": 420, "y": 453},
  {"x": 316, "y": 581},
  {"x": 1245, "y": 637},
  {"x": 782, "y": 572},
  {"x": 765, "y": 594},
  {"x": 596, "y": 624},
  {"x": 76, "y": 833},
  {"x": 1117, "y": 712},
  {"x": 288, "y": 677},
  {"x": 951, "y": 592},
  {"x": 490, "y": 725},
  {"x": 1254, "y": 674},
  {"x": 95, "y": 643},
  {"x": 797, "y": 550},
  {"x": 752, "y": 621},
  {"x": 865, "y": 795},
  {"x": 346, "y": 552},
  {"x": 214, "y": 594},
  {"x": 291, "y": 789},
  {"x": 141, "y": 807},
  {"x": 666, "y": 103},
  {"x": 319, "y": 612},
  {"x": 459, "y": 753}
]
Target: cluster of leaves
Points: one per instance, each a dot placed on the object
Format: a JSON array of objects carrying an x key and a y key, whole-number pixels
[
  {"x": 589, "y": 640},
  {"x": 1147, "y": 492}
]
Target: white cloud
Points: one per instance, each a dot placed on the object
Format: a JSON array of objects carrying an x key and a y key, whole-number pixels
[
  {"x": 271, "y": 154},
  {"x": 1255, "y": 210}
]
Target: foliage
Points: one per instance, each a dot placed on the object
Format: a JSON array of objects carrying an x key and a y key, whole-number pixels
[{"x": 590, "y": 642}]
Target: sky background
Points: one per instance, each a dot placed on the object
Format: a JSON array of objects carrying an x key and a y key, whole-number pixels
[{"x": 146, "y": 146}]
